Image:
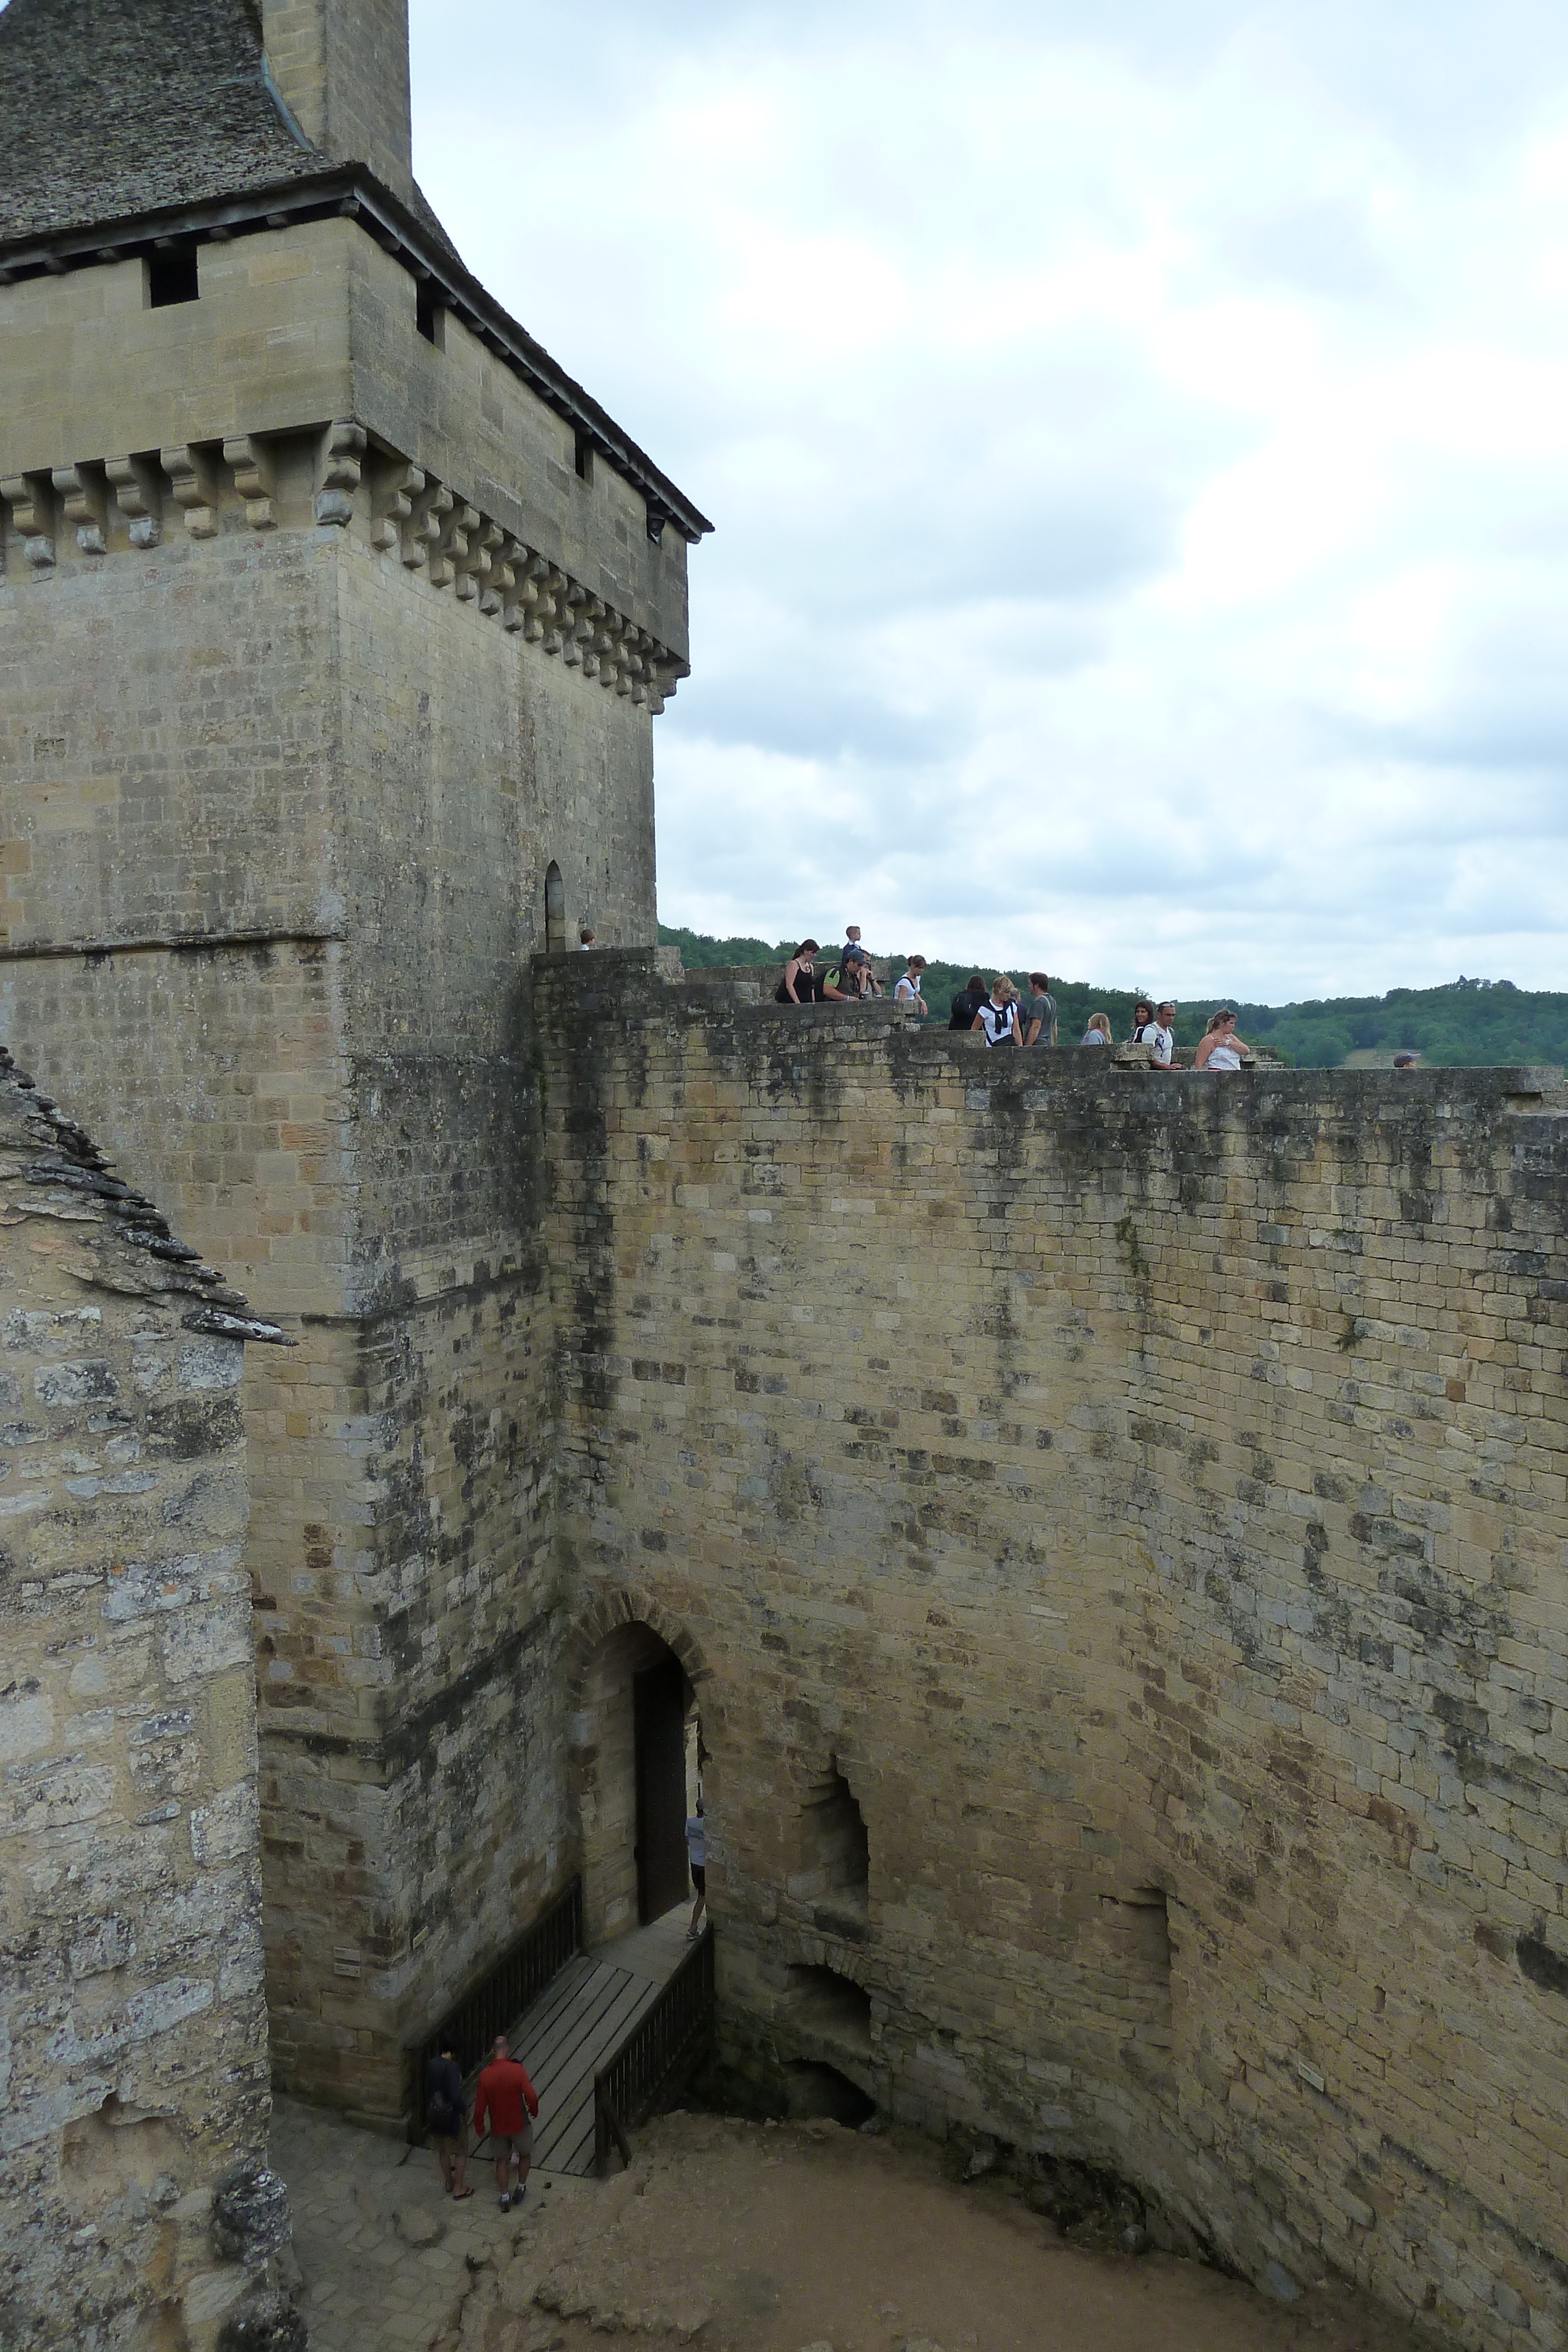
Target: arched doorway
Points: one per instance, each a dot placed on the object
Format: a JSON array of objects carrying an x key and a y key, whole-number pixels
[
  {"x": 555, "y": 911},
  {"x": 637, "y": 1754}
]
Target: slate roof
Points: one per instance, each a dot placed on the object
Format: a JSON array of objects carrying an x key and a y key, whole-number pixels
[
  {"x": 66, "y": 1175},
  {"x": 110, "y": 107}
]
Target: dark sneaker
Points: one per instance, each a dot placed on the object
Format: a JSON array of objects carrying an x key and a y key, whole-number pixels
[
  {"x": 506, "y": 2202},
  {"x": 518, "y": 2194}
]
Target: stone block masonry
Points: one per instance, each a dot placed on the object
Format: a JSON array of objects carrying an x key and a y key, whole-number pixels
[
  {"x": 301, "y": 705},
  {"x": 1146, "y": 1493},
  {"x": 133, "y": 2018}
]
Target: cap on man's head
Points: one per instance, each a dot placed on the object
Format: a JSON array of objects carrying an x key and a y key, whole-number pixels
[
  {"x": 1166, "y": 1004},
  {"x": 1403, "y": 1061}
]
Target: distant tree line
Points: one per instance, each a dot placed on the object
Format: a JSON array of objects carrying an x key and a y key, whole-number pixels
[{"x": 1466, "y": 1023}]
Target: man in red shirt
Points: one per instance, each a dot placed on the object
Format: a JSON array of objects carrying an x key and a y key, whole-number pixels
[{"x": 507, "y": 2098}]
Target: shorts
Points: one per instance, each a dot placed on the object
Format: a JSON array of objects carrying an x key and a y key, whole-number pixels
[
  {"x": 451, "y": 2143},
  {"x": 510, "y": 2144},
  {"x": 699, "y": 1876}
]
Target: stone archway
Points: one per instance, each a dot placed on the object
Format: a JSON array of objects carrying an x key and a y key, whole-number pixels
[
  {"x": 633, "y": 1672},
  {"x": 627, "y": 1604}
]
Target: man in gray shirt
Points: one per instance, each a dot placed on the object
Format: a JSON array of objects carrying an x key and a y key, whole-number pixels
[{"x": 1039, "y": 1012}]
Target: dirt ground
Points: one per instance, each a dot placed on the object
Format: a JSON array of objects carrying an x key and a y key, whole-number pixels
[{"x": 745, "y": 2238}]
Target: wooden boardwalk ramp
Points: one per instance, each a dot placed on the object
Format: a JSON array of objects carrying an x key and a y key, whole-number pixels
[{"x": 576, "y": 2023}]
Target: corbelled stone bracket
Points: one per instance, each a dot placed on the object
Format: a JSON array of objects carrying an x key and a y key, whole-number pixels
[
  {"x": 138, "y": 486},
  {"x": 429, "y": 524},
  {"x": 393, "y": 506},
  {"x": 342, "y": 466},
  {"x": 31, "y": 498},
  {"x": 193, "y": 479},
  {"x": 251, "y": 464},
  {"x": 85, "y": 494}
]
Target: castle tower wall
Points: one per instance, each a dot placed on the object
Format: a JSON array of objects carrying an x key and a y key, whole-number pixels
[
  {"x": 323, "y": 633},
  {"x": 1141, "y": 1499}
]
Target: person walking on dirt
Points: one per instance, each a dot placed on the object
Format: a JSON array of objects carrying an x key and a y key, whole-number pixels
[
  {"x": 696, "y": 1853},
  {"x": 443, "y": 2104},
  {"x": 509, "y": 2099}
]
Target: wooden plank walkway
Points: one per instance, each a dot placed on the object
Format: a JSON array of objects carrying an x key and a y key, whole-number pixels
[{"x": 574, "y": 2026}]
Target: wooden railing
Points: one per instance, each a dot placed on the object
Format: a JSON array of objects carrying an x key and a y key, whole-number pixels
[
  {"x": 657, "y": 2055},
  {"x": 500, "y": 1997}
]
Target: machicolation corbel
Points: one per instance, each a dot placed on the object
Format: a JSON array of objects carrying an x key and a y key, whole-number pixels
[
  {"x": 392, "y": 508},
  {"x": 251, "y": 466},
  {"x": 138, "y": 486},
  {"x": 342, "y": 465},
  {"x": 423, "y": 541},
  {"x": 86, "y": 499},
  {"x": 30, "y": 498},
  {"x": 195, "y": 487}
]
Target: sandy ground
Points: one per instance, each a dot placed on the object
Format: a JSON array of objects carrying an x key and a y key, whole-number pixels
[{"x": 742, "y": 2238}]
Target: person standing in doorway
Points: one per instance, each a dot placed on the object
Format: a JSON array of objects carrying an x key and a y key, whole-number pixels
[
  {"x": 696, "y": 1853},
  {"x": 448, "y": 2124},
  {"x": 509, "y": 2101}
]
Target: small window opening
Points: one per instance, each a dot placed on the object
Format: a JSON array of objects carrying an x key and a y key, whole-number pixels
[
  {"x": 555, "y": 911},
  {"x": 811, "y": 2090},
  {"x": 425, "y": 308},
  {"x": 583, "y": 457},
  {"x": 171, "y": 278}
]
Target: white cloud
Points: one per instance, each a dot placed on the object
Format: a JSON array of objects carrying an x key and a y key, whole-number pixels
[{"x": 1137, "y": 458}]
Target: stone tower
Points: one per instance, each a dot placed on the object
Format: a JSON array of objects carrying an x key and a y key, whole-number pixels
[{"x": 334, "y": 619}]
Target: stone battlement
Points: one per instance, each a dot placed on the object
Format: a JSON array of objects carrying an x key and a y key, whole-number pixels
[{"x": 1147, "y": 1492}]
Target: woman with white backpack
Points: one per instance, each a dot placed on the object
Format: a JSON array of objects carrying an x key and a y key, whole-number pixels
[{"x": 997, "y": 1020}]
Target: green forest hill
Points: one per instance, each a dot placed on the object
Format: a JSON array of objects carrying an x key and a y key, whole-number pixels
[{"x": 1465, "y": 1024}]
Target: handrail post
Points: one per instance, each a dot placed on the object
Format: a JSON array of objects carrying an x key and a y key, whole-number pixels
[{"x": 656, "y": 2051}]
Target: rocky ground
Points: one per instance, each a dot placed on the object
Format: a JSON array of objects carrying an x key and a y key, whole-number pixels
[{"x": 738, "y": 2237}]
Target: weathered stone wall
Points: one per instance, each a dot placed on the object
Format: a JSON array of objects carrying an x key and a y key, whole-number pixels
[
  {"x": 1147, "y": 1492},
  {"x": 283, "y": 759},
  {"x": 133, "y": 2024}
]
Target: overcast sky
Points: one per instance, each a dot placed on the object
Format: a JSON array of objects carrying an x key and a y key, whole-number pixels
[{"x": 1136, "y": 439}]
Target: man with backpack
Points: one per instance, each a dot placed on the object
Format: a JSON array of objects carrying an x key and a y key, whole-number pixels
[
  {"x": 854, "y": 973},
  {"x": 444, "y": 2114}
]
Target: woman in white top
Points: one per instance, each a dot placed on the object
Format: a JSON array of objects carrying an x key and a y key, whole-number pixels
[
  {"x": 907, "y": 992},
  {"x": 1220, "y": 1047},
  {"x": 997, "y": 1022},
  {"x": 1099, "y": 1030}
]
